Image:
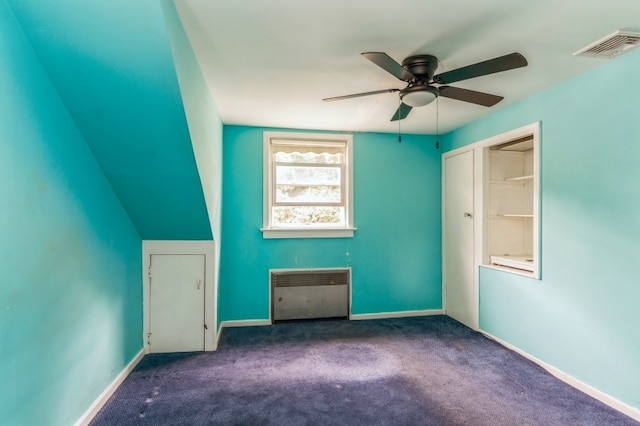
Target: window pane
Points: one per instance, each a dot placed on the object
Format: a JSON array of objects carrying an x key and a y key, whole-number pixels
[
  {"x": 308, "y": 184},
  {"x": 318, "y": 194},
  {"x": 308, "y": 216}
]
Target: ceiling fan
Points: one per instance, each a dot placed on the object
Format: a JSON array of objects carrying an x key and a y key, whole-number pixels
[{"x": 423, "y": 87}]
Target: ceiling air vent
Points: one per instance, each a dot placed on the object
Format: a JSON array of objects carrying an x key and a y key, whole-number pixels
[{"x": 612, "y": 45}]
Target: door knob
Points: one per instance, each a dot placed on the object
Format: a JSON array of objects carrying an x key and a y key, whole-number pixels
[{"x": 468, "y": 214}]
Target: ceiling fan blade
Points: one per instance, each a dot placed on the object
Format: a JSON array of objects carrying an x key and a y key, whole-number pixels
[
  {"x": 466, "y": 95},
  {"x": 357, "y": 95},
  {"x": 402, "y": 112},
  {"x": 387, "y": 63},
  {"x": 491, "y": 66}
]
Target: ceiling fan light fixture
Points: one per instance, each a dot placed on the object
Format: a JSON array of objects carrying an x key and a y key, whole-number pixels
[
  {"x": 418, "y": 96},
  {"x": 418, "y": 72}
]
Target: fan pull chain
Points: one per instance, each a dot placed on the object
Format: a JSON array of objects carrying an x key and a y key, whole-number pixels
[
  {"x": 437, "y": 121},
  {"x": 399, "y": 133}
]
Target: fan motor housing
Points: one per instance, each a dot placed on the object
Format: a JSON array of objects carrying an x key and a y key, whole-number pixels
[{"x": 422, "y": 66}]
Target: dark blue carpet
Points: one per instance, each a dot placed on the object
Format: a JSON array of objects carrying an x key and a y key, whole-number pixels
[{"x": 409, "y": 371}]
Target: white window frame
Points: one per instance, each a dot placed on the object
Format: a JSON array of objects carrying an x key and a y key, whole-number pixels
[{"x": 342, "y": 231}]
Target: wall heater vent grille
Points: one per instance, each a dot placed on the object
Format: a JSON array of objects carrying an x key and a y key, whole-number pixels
[
  {"x": 612, "y": 45},
  {"x": 309, "y": 294},
  {"x": 310, "y": 277}
]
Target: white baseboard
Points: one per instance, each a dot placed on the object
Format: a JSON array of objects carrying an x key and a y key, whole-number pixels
[
  {"x": 377, "y": 315},
  {"x": 399, "y": 314},
  {"x": 607, "y": 399},
  {"x": 244, "y": 323},
  {"x": 218, "y": 335},
  {"x": 106, "y": 394}
]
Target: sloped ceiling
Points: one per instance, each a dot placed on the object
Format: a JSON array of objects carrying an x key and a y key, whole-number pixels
[{"x": 111, "y": 64}]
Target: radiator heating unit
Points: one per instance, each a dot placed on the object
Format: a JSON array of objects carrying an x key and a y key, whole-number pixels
[{"x": 310, "y": 294}]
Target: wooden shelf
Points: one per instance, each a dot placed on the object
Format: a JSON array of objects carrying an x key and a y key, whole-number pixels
[
  {"x": 508, "y": 216},
  {"x": 519, "y": 178},
  {"x": 523, "y": 262}
]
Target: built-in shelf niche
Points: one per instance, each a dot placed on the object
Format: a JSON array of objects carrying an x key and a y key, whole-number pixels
[{"x": 511, "y": 207}]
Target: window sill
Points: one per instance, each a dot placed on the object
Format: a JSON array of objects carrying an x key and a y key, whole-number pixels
[{"x": 268, "y": 233}]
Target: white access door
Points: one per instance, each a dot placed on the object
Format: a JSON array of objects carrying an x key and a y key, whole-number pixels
[
  {"x": 176, "y": 303},
  {"x": 460, "y": 292}
]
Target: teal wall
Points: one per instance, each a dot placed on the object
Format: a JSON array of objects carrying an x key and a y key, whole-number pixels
[
  {"x": 583, "y": 315},
  {"x": 70, "y": 287},
  {"x": 112, "y": 65},
  {"x": 205, "y": 126},
  {"x": 396, "y": 251}
]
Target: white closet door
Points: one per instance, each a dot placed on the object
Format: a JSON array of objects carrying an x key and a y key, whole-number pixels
[
  {"x": 176, "y": 303},
  {"x": 461, "y": 301}
]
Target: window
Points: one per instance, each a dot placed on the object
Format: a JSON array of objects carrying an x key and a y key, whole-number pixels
[{"x": 307, "y": 185}]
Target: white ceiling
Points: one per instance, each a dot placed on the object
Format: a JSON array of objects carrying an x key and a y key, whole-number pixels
[{"x": 270, "y": 63}]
